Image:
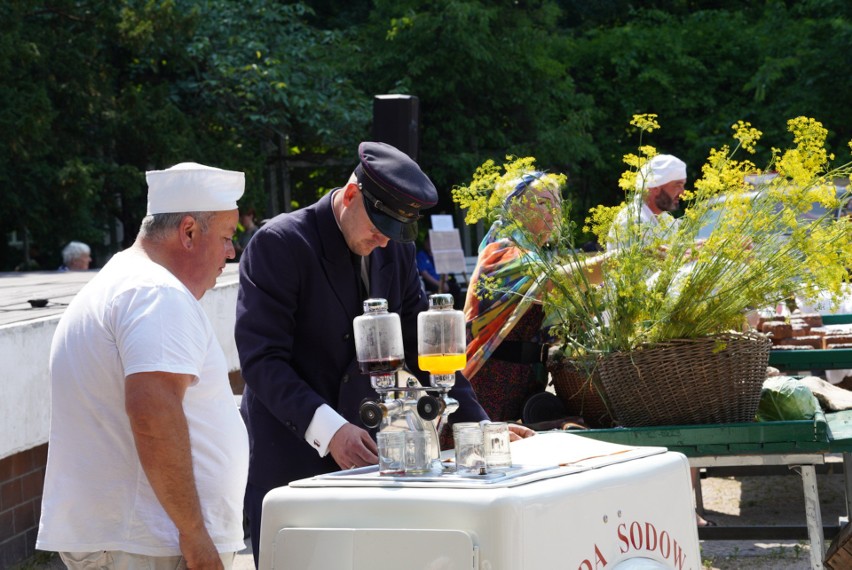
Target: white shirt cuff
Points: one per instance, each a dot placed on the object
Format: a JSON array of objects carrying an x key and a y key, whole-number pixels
[{"x": 324, "y": 425}]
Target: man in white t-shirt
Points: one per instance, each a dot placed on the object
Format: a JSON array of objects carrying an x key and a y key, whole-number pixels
[
  {"x": 148, "y": 454},
  {"x": 662, "y": 178}
]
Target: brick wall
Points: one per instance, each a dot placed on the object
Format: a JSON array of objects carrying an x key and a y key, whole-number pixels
[{"x": 21, "y": 482}]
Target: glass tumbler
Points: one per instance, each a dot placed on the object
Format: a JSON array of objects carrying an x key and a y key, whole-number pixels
[
  {"x": 462, "y": 426},
  {"x": 391, "y": 452},
  {"x": 417, "y": 457},
  {"x": 496, "y": 439},
  {"x": 470, "y": 450}
]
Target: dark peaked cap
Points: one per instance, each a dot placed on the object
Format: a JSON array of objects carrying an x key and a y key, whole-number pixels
[{"x": 394, "y": 189}]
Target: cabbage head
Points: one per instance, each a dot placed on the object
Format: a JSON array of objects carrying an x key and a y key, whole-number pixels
[{"x": 783, "y": 399}]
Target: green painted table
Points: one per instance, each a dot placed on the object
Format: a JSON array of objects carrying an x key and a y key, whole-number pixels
[
  {"x": 796, "y": 444},
  {"x": 815, "y": 359}
]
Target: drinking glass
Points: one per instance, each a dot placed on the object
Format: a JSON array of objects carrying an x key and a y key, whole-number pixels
[
  {"x": 417, "y": 457},
  {"x": 391, "y": 452},
  {"x": 463, "y": 425},
  {"x": 496, "y": 439},
  {"x": 470, "y": 450}
]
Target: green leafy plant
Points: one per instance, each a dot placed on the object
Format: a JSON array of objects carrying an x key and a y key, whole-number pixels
[{"x": 673, "y": 284}]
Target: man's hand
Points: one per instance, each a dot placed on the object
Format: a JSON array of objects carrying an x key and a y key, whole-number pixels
[
  {"x": 199, "y": 551},
  {"x": 353, "y": 447},
  {"x": 517, "y": 432},
  {"x": 592, "y": 265}
]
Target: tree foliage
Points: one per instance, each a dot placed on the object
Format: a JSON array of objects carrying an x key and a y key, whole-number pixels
[
  {"x": 93, "y": 94},
  {"x": 492, "y": 82}
]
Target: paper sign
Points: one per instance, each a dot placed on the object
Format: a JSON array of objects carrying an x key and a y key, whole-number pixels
[
  {"x": 451, "y": 261},
  {"x": 447, "y": 251},
  {"x": 441, "y": 240},
  {"x": 442, "y": 222}
]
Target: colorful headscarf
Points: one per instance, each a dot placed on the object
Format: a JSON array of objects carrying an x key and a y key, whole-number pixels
[{"x": 504, "y": 261}]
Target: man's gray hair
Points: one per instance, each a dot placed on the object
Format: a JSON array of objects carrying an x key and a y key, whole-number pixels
[
  {"x": 156, "y": 226},
  {"x": 74, "y": 250}
]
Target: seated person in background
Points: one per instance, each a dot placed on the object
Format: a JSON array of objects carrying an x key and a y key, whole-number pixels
[
  {"x": 433, "y": 282},
  {"x": 506, "y": 350},
  {"x": 249, "y": 228},
  {"x": 76, "y": 256}
]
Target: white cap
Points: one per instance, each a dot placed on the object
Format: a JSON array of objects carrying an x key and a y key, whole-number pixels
[
  {"x": 660, "y": 170},
  {"x": 192, "y": 187}
]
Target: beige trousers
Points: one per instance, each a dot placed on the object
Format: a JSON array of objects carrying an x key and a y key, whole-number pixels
[{"x": 118, "y": 560}]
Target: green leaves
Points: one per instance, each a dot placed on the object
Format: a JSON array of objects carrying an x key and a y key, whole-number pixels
[{"x": 143, "y": 84}]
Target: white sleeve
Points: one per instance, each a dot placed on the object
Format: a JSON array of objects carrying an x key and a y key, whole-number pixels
[
  {"x": 159, "y": 329},
  {"x": 324, "y": 425}
]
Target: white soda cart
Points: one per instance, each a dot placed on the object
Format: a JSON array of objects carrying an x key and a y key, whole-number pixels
[{"x": 568, "y": 502}]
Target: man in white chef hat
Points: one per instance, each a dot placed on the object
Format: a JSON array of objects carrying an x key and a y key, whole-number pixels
[
  {"x": 660, "y": 183},
  {"x": 148, "y": 454}
]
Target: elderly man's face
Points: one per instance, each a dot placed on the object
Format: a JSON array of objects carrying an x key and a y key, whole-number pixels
[
  {"x": 215, "y": 247},
  {"x": 667, "y": 198}
]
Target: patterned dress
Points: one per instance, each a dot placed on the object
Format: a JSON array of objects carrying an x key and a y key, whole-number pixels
[
  {"x": 503, "y": 387},
  {"x": 510, "y": 313}
]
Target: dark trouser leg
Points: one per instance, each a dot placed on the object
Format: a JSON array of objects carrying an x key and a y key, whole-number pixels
[{"x": 253, "y": 503}]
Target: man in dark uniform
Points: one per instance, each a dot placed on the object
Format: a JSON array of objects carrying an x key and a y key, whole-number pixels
[{"x": 303, "y": 279}]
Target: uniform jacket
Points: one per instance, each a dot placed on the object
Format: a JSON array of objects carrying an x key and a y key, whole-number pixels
[{"x": 297, "y": 299}]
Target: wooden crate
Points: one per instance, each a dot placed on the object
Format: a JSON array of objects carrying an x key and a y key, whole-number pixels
[{"x": 839, "y": 556}]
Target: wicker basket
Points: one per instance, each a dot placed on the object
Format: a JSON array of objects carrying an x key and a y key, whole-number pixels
[
  {"x": 692, "y": 381},
  {"x": 578, "y": 385}
]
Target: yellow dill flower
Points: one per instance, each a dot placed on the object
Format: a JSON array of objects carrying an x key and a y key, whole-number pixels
[
  {"x": 629, "y": 178},
  {"x": 600, "y": 220},
  {"x": 747, "y": 135},
  {"x": 645, "y": 122},
  {"x": 809, "y": 158},
  {"x": 633, "y": 160},
  {"x": 627, "y": 181},
  {"x": 760, "y": 244},
  {"x": 484, "y": 196},
  {"x": 648, "y": 152}
]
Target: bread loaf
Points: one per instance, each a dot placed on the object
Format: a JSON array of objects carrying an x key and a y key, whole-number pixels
[
  {"x": 778, "y": 330},
  {"x": 813, "y": 319},
  {"x": 800, "y": 327},
  {"x": 837, "y": 339},
  {"x": 811, "y": 340},
  {"x": 771, "y": 319}
]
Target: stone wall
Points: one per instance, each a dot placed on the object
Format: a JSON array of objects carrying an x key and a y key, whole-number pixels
[{"x": 21, "y": 481}]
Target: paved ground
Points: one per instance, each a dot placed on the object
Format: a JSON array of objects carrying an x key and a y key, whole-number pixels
[
  {"x": 765, "y": 500},
  {"x": 244, "y": 560}
]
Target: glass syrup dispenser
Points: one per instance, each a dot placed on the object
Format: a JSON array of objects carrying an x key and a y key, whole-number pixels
[
  {"x": 441, "y": 345},
  {"x": 378, "y": 344},
  {"x": 380, "y": 354}
]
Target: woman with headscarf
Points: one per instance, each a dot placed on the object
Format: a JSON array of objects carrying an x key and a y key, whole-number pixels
[{"x": 507, "y": 348}]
